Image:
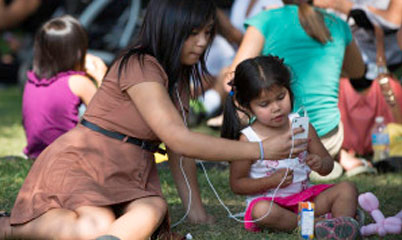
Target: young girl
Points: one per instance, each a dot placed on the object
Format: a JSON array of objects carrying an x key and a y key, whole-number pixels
[
  {"x": 261, "y": 88},
  {"x": 59, "y": 82}
]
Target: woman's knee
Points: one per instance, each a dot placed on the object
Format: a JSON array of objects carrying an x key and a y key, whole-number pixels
[
  {"x": 160, "y": 207},
  {"x": 96, "y": 223},
  {"x": 155, "y": 207}
]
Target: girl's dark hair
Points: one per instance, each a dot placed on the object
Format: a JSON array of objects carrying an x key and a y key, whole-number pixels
[
  {"x": 166, "y": 26},
  {"x": 312, "y": 20},
  {"x": 60, "y": 45},
  {"x": 252, "y": 77}
]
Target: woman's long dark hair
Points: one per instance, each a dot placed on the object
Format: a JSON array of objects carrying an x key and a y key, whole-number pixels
[
  {"x": 60, "y": 45},
  {"x": 252, "y": 77},
  {"x": 166, "y": 26}
]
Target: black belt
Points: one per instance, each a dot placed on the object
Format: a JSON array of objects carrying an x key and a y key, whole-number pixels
[{"x": 152, "y": 147}]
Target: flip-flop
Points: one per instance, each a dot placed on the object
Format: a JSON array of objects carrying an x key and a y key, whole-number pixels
[
  {"x": 337, "y": 228},
  {"x": 360, "y": 217},
  {"x": 363, "y": 169},
  {"x": 4, "y": 214},
  {"x": 107, "y": 237}
]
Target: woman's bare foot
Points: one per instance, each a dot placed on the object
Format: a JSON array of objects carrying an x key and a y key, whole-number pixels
[
  {"x": 5, "y": 228},
  {"x": 201, "y": 219},
  {"x": 349, "y": 161}
]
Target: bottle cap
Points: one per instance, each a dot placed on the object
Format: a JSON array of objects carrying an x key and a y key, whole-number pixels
[{"x": 379, "y": 119}]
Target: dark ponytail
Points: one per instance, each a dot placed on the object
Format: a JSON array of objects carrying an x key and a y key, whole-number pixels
[
  {"x": 312, "y": 21},
  {"x": 231, "y": 121}
]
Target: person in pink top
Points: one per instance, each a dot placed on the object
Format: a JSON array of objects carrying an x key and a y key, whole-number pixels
[{"x": 61, "y": 80}]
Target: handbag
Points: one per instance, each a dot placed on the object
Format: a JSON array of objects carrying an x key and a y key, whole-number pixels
[{"x": 359, "y": 109}]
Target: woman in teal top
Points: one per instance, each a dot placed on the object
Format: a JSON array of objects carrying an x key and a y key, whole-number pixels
[{"x": 317, "y": 46}]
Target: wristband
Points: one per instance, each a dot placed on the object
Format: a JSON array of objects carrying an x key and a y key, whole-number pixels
[{"x": 261, "y": 150}]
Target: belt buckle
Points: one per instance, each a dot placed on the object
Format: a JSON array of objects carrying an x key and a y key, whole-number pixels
[{"x": 149, "y": 146}]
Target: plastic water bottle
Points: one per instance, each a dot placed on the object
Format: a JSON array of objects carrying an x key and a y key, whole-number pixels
[{"x": 379, "y": 140}]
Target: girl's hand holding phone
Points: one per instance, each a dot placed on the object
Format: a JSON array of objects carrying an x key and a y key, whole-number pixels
[{"x": 280, "y": 147}]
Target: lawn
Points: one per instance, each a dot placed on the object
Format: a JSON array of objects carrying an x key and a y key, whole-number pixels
[{"x": 13, "y": 169}]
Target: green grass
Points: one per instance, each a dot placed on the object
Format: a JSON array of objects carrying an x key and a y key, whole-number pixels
[
  {"x": 14, "y": 168},
  {"x": 12, "y": 138}
]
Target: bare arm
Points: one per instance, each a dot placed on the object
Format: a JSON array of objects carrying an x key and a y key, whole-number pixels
[
  {"x": 392, "y": 14},
  {"x": 316, "y": 147},
  {"x": 17, "y": 11},
  {"x": 228, "y": 31},
  {"x": 197, "y": 211},
  {"x": 95, "y": 67},
  {"x": 251, "y": 46},
  {"x": 83, "y": 87},
  {"x": 353, "y": 65},
  {"x": 155, "y": 106},
  {"x": 241, "y": 183}
]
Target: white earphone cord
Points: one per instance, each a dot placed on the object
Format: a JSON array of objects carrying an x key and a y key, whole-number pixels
[
  {"x": 213, "y": 188},
  {"x": 181, "y": 166}
]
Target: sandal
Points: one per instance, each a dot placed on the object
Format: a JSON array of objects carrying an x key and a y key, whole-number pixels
[
  {"x": 336, "y": 173},
  {"x": 4, "y": 214},
  {"x": 338, "y": 229},
  {"x": 360, "y": 216},
  {"x": 363, "y": 169},
  {"x": 107, "y": 237}
]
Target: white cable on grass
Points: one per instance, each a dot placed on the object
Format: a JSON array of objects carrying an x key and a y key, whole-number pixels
[{"x": 181, "y": 167}]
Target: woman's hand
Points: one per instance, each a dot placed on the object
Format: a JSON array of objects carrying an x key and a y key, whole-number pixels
[
  {"x": 281, "y": 146},
  {"x": 228, "y": 76},
  {"x": 95, "y": 67},
  {"x": 343, "y": 6}
]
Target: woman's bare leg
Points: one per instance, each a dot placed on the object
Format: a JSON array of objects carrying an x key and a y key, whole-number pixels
[
  {"x": 197, "y": 212},
  {"x": 340, "y": 200},
  {"x": 279, "y": 218},
  {"x": 141, "y": 218},
  {"x": 86, "y": 222}
]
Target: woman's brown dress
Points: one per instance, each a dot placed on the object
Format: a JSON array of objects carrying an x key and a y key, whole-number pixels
[{"x": 86, "y": 168}]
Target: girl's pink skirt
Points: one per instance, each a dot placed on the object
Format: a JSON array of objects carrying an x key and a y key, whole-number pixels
[{"x": 290, "y": 202}]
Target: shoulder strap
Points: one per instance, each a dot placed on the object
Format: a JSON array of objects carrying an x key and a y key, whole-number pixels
[
  {"x": 384, "y": 77},
  {"x": 380, "y": 58},
  {"x": 250, "y": 134}
]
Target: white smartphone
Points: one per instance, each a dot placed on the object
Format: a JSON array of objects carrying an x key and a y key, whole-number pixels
[{"x": 303, "y": 123}]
